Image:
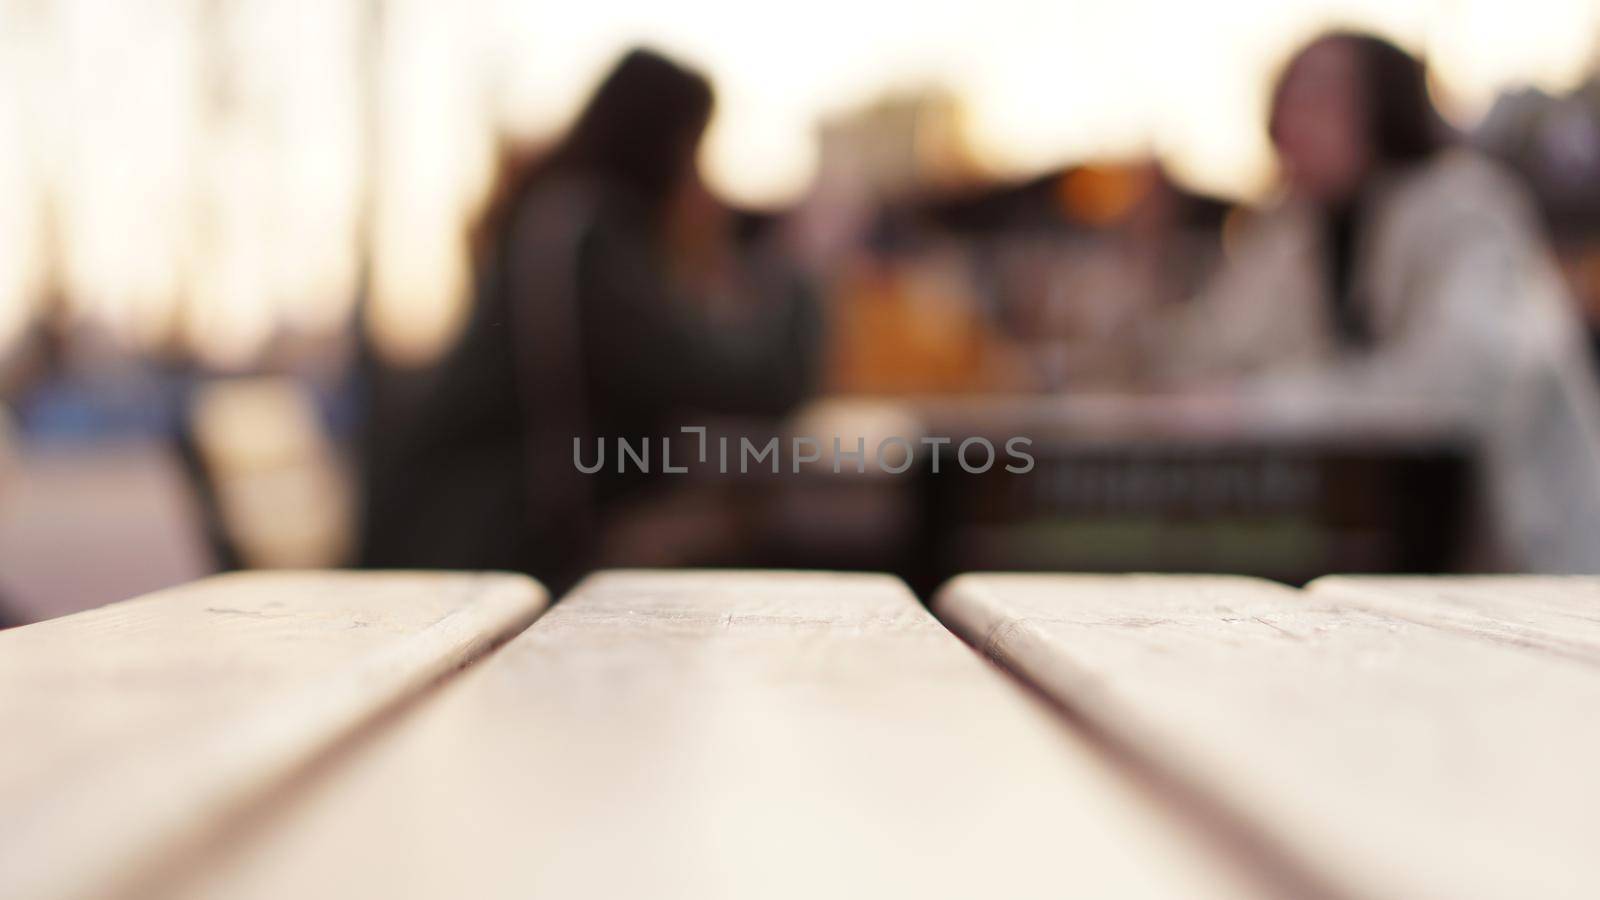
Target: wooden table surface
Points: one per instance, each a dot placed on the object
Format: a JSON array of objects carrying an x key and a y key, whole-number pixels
[
  {"x": 133, "y": 730},
  {"x": 1556, "y": 614},
  {"x": 1389, "y": 754},
  {"x": 733, "y": 735},
  {"x": 767, "y": 734}
]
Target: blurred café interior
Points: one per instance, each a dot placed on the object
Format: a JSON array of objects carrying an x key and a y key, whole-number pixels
[{"x": 1265, "y": 287}]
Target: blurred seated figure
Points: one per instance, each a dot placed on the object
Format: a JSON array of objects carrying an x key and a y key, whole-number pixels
[
  {"x": 1397, "y": 264},
  {"x": 610, "y": 304}
]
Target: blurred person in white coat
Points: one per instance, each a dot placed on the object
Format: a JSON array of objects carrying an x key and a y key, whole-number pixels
[{"x": 1396, "y": 265}]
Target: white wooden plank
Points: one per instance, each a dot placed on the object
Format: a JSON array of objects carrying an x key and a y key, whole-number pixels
[
  {"x": 135, "y": 730},
  {"x": 1391, "y": 757},
  {"x": 1555, "y": 613},
  {"x": 724, "y": 735}
]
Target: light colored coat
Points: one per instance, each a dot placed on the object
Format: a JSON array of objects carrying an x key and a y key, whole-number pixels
[{"x": 1470, "y": 317}]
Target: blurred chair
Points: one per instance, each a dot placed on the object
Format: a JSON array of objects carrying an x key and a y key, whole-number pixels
[
  {"x": 279, "y": 490},
  {"x": 8, "y": 616}
]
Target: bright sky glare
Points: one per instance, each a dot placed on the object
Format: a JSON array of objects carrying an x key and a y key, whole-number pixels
[{"x": 200, "y": 169}]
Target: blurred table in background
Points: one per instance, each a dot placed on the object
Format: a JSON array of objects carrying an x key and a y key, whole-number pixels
[{"x": 1197, "y": 483}]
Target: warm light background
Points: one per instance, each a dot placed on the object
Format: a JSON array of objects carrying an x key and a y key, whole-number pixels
[{"x": 211, "y": 172}]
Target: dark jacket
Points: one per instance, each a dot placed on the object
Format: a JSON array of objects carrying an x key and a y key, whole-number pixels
[{"x": 576, "y": 332}]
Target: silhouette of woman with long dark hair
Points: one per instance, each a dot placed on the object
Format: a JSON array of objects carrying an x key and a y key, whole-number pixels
[{"x": 598, "y": 266}]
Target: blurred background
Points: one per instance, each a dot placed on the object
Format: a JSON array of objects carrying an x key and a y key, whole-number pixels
[{"x": 241, "y": 242}]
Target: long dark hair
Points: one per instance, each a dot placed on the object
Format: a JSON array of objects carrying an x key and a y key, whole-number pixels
[
  {"x": 1402, "y": 122},
  {"x": 639, "y": 132},
  {"x": 1403, "y": 128}
]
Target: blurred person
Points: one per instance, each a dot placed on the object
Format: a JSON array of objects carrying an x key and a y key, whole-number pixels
[
  {"x": 1397, "y": 263},
  {"x": 611, "y": 303}
]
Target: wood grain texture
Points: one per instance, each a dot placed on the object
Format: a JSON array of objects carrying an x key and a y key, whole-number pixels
[
  {"x": 722, "y": 735},
  {"x": 1384, "y": 755},
  {"x": 138, "y": 729},
  {"x": 1555, "y": 613}
]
